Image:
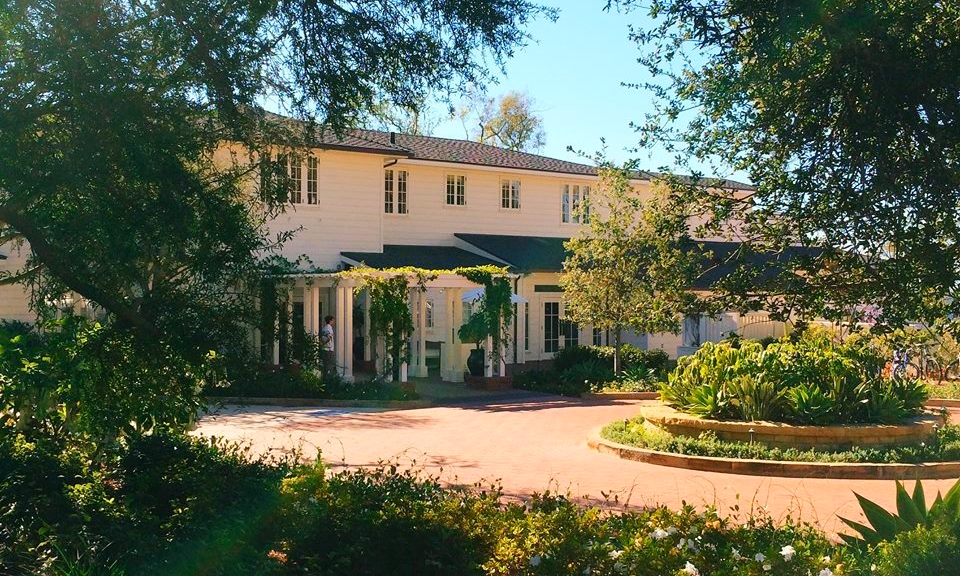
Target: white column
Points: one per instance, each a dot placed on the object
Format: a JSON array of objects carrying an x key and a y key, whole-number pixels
[
  {"x": 348, "y": 334},
  {"x": 316, "y": 322},
  {"x": 502, "y": 364},
  {"x": 420, "y": 340},
  {"x": 454, "y": 360},
  {"x": 488, "y": 357},
  {"x": 521, "y": 332},
  {"x": 367, "y": 344},
  {"x": 339, "y": 340}
]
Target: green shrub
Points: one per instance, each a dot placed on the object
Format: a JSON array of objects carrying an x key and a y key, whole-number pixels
[
  {"x": 633, "y": 432},
  {"x": 302, "y": 383},
  {"x": 803, "y": 380},
  {"x": 923, "y": 551},
  {"x": 630, "y": 357},
  {"x": 587, "y": 376}
]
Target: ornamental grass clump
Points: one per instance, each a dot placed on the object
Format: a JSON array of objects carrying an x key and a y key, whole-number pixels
[{"x": 810, "y": 380}]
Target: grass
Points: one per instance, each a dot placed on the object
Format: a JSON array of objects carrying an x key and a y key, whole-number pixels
[
  {"x": 949, "y": 389},
  {"x": 944, "y": 448}
]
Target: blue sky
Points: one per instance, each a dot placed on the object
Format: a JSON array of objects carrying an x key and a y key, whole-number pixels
[{"x": 573, "y": 69}]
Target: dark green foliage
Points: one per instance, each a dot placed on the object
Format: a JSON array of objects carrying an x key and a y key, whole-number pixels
[
  {"x": 75, "y": 379},
  {"x": 160, "y": 502},
  {"x": 911, "y": 513},
  {"x": 805, "y": 380},
  {"x": 586, "y": 375},
  {"x": 630, "y": 357},
  {"x": 302, "y": 383},
  {"x": 838, "y": 113},
  {"x": 942, "y": 448},
  {"x": 923, "y": 551}
]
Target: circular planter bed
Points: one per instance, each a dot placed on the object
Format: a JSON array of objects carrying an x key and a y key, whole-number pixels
[
  {"x": 857, "y": 471},
  {"x": 776, "y": 434}
]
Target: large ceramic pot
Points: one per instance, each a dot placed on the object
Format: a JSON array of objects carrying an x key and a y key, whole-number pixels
[{"x": 475, "y": 362}]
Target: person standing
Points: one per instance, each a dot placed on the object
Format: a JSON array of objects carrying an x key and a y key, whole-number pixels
[{"x": 328, "y": 347}]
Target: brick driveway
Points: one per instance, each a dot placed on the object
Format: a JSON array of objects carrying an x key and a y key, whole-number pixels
[{"x": 534, "y": 445}]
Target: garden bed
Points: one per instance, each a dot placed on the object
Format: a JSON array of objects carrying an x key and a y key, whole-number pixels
[
  {"x": 777, "y": 434},
  {"x": 785, "y": 469}
]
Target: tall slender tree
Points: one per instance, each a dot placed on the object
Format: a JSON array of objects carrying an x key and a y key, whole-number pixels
[{"x": 632, "y": 267}]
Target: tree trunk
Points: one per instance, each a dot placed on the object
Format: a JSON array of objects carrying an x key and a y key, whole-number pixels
[{"x": 616, "y": 350}]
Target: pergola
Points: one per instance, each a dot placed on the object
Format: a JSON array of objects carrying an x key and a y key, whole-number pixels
[{"x": 341, "y": 290}]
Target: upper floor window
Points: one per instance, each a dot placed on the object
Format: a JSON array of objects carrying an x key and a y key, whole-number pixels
[
  {"x": 574, "y": 204},
  {"x": 456, "y": 190},
  {"x": 311, "y": 179},
  {"x": 395, "y": 191},
  {"x": 510, "y": 194},
  {"x": 297, "y": 190}
]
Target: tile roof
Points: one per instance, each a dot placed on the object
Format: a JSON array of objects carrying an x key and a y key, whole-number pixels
[{"x": 454, "y": 151}]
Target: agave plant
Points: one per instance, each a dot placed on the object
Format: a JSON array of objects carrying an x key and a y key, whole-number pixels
[{"x": 912, "y": 511}]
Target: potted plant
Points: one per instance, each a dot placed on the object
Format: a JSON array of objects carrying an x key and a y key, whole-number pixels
[{"x": 475, "y": 331}]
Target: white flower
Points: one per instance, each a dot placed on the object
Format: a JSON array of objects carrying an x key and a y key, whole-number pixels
[
  {"x": 659, "y": 534},
  {"x": 671, "y": 530},
  {"x": 535, "y": 560},
  {"x": 825, "y": 560},
  {"x": 692, "y": 570},
  {"x": 826, "y": 572},
  {"x": 767, "y": 567},
  {"x": 736, "y": 554},
  {"x": 787, "y": 552},
  {"x": 615, "y": 554},
  {"x": 759, "y": 557}
]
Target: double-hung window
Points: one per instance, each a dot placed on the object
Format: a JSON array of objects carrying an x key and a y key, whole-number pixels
[
  {"x": 311, "y": 179},
  {"x": 574, "y": 204},
  {"x": 395, "y": 191},
  {"x": 300, "y": 190},
  {"x": 510, "y": 194},
  {"x": 456, "y": 190},
  {"x": 295, "y": 172}
]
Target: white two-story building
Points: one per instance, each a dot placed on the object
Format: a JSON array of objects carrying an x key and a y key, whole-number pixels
[{"x": 389, "y": 200}]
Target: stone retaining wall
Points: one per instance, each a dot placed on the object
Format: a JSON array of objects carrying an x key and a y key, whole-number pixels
[{"x": 776, "y": 434}]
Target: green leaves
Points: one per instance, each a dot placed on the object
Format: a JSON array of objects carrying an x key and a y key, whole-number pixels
[
  {"x": 911, "y": 512},
  {"x": 839, "y": 113},
  {"x": 629, "y": 268}
]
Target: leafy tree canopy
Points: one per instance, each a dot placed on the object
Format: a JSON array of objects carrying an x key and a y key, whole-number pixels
[
  {"x": 113, "y": 109},
  {"x": 633, "y": 265},
  {"x": 845, "y": 116}
]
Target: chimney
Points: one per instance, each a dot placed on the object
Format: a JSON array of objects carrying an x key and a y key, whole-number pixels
[{"x": 393, "y": 137}]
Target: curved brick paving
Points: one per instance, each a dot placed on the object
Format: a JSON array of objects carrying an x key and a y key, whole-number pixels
[{"x": 533, "y": 445}]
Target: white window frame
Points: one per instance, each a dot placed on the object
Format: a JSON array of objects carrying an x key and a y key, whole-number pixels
[
  {"x": 572, "y": 196},
  {"x": 395, "y": 192},
  {"x": 456, "y": 190},
  {"x": 313, "y": 170},
  {"x": 510, "y": 193},
  {"x": 295, "y": 173}
]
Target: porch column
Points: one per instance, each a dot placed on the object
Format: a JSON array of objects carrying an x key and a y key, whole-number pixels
[
  {"x": 277, "y": 327},
  {"x": 521, "y": 333},
  {"x": 453, "y": 358},
  {"x": 502, "y": 364},
  {"x": 344, "y": 331},
  {"x": 367, "y": 344},
  {"x": 315, "y": 320},
  {"x": 488, "y": 357},
  {"x": 348, "y": 333},
  {"x": 420, "y": 341}
]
